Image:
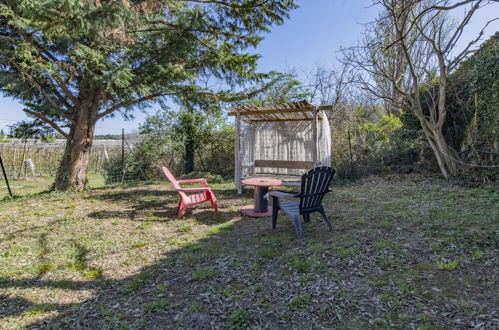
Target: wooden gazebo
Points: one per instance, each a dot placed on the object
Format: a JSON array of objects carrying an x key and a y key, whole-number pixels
[{"x": 281, "y": 141}]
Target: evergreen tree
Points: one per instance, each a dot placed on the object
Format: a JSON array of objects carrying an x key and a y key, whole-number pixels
[{"x": 73, "y": 62}]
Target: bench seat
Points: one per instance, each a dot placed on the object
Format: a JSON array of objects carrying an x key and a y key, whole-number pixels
[{"x": 287, "y": 180}]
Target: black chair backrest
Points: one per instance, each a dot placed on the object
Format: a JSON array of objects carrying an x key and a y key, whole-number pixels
[{"x": 314, "y": 185}]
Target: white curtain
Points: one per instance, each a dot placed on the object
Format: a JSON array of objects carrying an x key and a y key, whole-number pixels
[
  {"x": 292, "y": 140},
  {"x": 247, "y": 154},
  {"x": 324, "y": 140}
]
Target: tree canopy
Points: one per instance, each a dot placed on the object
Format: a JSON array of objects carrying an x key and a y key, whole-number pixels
[{"x": 73, "y": 62}]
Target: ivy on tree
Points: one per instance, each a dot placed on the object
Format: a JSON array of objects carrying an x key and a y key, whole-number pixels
[{"x": 73, "y": 62}]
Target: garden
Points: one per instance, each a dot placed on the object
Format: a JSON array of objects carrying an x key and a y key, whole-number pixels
[
  {"x": 395, "y": 143},
  {"x": 406, "y": 251}
]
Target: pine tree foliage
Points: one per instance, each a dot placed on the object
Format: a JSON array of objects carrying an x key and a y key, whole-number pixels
[{"x": 73, "y": 62}]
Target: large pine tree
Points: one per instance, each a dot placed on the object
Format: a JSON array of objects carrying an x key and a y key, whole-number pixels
[{"x": 73, "y": 62}]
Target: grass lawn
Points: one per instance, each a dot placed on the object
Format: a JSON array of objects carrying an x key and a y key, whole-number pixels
[
  {"x": 37, "y": 184},
  {"x": 406, "y": 252}
]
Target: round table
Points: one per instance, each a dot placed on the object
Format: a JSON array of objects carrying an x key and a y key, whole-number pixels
[{"x": 261, "y": 201}]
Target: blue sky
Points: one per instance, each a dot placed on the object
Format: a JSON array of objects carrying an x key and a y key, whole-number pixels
[{"x": 312, "y": 36}]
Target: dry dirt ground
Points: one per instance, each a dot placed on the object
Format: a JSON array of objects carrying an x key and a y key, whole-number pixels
[{"x": 405, "y": 252}]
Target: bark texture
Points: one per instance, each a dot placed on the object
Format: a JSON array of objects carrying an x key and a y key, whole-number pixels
[
  {"x": 72, "y": 174},
  {"x": 445, "y": 155}
]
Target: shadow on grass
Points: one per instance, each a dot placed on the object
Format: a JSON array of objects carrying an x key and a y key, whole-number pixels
[
  {"x": 161, "y": 205},
  {"x": 242, "y": 271},
  {"x": 176, "y": 291},
  {"x": 180, "y": 288}
]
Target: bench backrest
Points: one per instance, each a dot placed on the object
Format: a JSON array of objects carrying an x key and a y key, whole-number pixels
[{"x": 284, "y": 164}]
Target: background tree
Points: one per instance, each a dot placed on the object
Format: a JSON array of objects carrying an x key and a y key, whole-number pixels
[
  {"x": 73, "y": 62},
  {"x": 329, "y": 86},
  {"x": 194, "y": 128},
  {"x": 286, "y": 87},
  {"x": 36, "y": 130},
  {"x": 413, "y": 44}
]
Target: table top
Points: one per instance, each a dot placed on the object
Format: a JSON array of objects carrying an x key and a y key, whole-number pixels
[{"x": 261, "y": 182}]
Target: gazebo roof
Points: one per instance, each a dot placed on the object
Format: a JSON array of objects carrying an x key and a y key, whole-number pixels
[{"x": 292, "y": 111}]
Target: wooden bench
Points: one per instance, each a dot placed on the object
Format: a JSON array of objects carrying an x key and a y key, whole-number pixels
[
  {"x": 300, "y": 165},
  {"x": 287, "y": 180}
]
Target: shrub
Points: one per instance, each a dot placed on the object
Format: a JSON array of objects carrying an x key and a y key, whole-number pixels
[
  {"x": 144, "y": 163},
  {"x": 368, "y": 141},
  {"x": 211, "y": 178},
  {"x": 161, "y": 144}
]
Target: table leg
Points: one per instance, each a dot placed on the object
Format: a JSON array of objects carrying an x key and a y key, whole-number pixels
[{"x": 261, "y": 199}]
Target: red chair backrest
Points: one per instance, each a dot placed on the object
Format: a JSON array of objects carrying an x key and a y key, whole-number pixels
[{"x": 170, "y": 177}]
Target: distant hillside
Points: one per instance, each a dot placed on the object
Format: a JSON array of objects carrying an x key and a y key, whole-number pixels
[{"x": 108, "y": 137}]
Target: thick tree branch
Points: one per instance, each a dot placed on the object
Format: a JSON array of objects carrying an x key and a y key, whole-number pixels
[
  {"x": 48, "y": 121},
  {"x": 460, "y": 28},
  {"x": 130, "y": 103},
  {"x": 227, "y": 3},
  {"x": 458, "y": 4},
  {"x": 36, "y": 85},
  {"x": 49, "y": 57},
  {"x": 467, "y": 50}
]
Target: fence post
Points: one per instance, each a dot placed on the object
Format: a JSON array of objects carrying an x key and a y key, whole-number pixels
[
  {"x": 5, "y": 176},
  {"x": 122, "y": 154},
  {"x": 350, "y": 149}
]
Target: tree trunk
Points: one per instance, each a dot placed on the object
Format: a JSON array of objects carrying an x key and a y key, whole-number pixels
[
  {"x": 72, "y": 172},
  {"x": 445, "y": 155},
  {"x": 189, "y": 155}
]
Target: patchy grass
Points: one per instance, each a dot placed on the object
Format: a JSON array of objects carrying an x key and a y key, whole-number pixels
[
  {"x": 268, "y": 253},
  {"x": 37, "y": 310},
  {"x": 451, "y": 265},
  {"x": 159, "y": 306},
  {"x": 185, "y": 229},
  {"x": 37, "y": 184},
  {"x": 203, "y": 273},
  {"x": 300, "y": 302},
  {"x": 405, "y": 252},
  {"x": 240, "y": 319}
]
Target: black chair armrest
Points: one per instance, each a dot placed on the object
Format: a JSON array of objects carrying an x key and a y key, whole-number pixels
[{"x": 281, "y": 194}]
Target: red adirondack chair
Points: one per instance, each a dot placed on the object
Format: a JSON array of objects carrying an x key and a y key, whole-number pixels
[{"x": 196, "y": 195}]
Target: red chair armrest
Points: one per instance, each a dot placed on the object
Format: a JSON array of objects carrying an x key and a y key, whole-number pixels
[
  {"x": 193, "y": 181},
  {"x": 194, "y": 189}
]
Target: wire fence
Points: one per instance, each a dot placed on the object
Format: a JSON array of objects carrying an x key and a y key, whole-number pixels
[{"x": 31, "y": 166}]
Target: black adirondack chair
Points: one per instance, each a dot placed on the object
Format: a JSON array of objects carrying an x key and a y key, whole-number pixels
[{"x": 314, "y": 185}]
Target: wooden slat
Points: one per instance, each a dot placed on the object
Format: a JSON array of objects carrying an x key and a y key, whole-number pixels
[
  {"x": 269, "y": 120},
  {"x": 299, "y": 104},
  {"x": 293, "y": 111},
  {"x": 325, "y": 107},
  {"x": 284, "y": 164},
  {"x": 271, "y": 111}
]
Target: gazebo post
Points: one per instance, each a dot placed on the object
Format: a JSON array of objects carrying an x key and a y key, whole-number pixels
[
  {"x": 252, "y": 146},
  {"x": 301, "y": 111},
  {"x": 237, "y": 152},
  {"x": 315, "y": 136}
]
